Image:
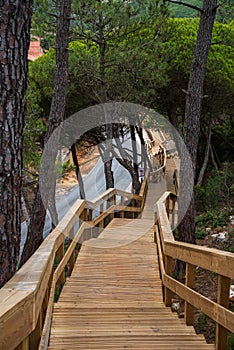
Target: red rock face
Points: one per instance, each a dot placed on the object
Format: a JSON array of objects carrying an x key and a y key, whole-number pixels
[{"x": 35, "y": 50}]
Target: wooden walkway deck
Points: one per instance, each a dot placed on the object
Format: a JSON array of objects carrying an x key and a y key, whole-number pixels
[{"x": 113, "y": 299}]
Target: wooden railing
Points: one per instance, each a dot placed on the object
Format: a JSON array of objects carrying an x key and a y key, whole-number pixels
[
  {"x": 26, "y": 300},
  {"x": 217, "y": 261},
  {"x": 158, "y": 161}
]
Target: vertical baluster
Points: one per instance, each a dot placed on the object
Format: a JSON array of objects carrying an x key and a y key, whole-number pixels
[
  {"x": 190, "y": 282},
  {"x": 112, "y": 202},
  {"x": 133, "y": 206},
  {"x": 35, "y": 336},
  {"x": 71, "y": 261},
  {"x": 122, "y": 204},
  {"x": 24, "y": 345},
  {"x": 101, "y": 224},
  {"x": 60, "y": 254},
  {"x": 223, "y": 299},
  {"x": 168, "y": 269},
  {"x": 90, "y": 215},
  {"x": 89, "y": 233},
  {"x": 83, "y": 217}
]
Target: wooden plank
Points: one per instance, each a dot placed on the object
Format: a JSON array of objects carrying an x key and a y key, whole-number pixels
[
  {"x": 190, "y": 282},
  {"x": 210, "y": 259},
  {"x": 124, "y": 281},
  {"x": 218, "y": 313},
  {"x": 18, "y": 318},
  {"x": 168, "y": 269},
  {"x": 223, "y": 299},
  {"x": 113, "y": 298}
]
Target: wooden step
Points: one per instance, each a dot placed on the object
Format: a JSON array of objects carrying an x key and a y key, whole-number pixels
[{"x": 113, "y": 299}]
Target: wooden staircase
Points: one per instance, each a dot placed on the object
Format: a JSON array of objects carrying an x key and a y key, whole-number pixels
[
  {"x": 117, "y": 293},
  {"x": 113, "y": 299}
]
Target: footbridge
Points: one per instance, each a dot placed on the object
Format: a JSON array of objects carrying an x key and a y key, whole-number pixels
[{"x": 103, "y": 279}]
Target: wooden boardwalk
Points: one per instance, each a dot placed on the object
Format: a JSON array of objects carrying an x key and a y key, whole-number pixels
[{"x": 113, "y": 299}]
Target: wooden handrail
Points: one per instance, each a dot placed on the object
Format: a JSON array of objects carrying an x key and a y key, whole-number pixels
[
  {"x": 210, "y": 259},
  {"x": 100, "y": 199},
  {"x": 214, "y": 260},
  {"x": 26, "y": 296},
  {"x": 157, "y": 174},
  {"x": 57, "y": 273}
]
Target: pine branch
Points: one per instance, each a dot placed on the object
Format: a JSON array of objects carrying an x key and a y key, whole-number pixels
[{"x": 194, "y": 7}]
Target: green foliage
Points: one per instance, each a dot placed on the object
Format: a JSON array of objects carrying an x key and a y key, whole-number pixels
[
  {"x": 219, "y": 187},
  {"x": 220, "y": 60},
  {"x": 67, "y": 167},
  {"x": 203, "y": 321},
  {"x": 179, "y": 38},
  {"x": 122, "y": 32},
  {"x": 35, "y": 127},
  {"x": 84, "y": 85},
  {"x": 33, "y": 142},
  {"x": 139, "y": 69},
  {"x": 132, "y": 67},
  {"x": 44, "y": 22},
  {"x": 148, "y": 65},
  {"x": 200, "y": 233},
  {"x": 230, "y": 342},
  {"x": 223, "y": 136},
  {"x": 177, "y": 10},
  {"x": 62, "y": 169},
  {"x": 41, "y": 82},
  {"x": 212, "y": 219},
  {"x": 83, "y": 70},
  {"x": 114, "y": 16},
  {"x": 225, "y": 11}
]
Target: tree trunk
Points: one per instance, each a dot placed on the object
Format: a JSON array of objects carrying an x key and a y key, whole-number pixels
[
  {"x": 206, "y": 157},
  {"x": 35, "y": 230},
  {"x": 109, "y": 176},
  {"x": 134, "y": 175},
  {"x": 213, "y": 158},
  {"x": 191, "y": 127},
  {"x": 15, "y": 22},
  {"x": 104, "y": 98},
  {"x": 134, "y": 148},
  {"x": 25, "y": 212},
  {"x": 144, "y": 154},
  {"x": 127, "y": 164},
  {"x": 78, "y": 173}
]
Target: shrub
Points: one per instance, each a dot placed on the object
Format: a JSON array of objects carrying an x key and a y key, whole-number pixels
[
  {"x": 218, "y": 190},
  {"x": 212, "y": 218},
  {"x": 200, "y": 234}
]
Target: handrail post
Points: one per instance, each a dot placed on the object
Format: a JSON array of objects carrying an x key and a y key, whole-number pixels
[
  {"x": 35, "y": 336},
  {"x": 112, "y": 202},
  {"x": 90, "y": 215},
  {"x": 122, "y": 204},
  {"x": 190, "y": 282},
  {"x": 88, "y": 234},
  {"x": 133, "y": 205},
  {"x": 168, "y": 270},
  {"x": 24, "y": 345},
  {"x": 223, "y": 299},
  {"x": 71, "y": 261},
  {"x": 83, "y": 216},
  {"x": 101, "y": 224},
  {"x": 167, "y": 205},
  {"x": 60, "y": 254}
]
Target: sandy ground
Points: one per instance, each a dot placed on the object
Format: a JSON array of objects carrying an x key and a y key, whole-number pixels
[{"x": 87, "y": 162}]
